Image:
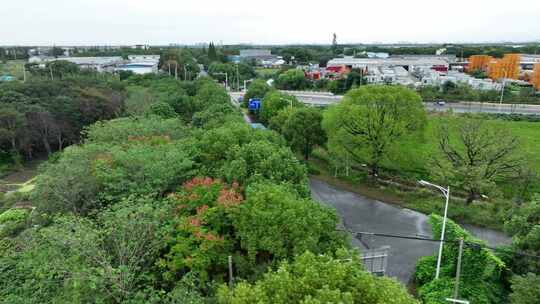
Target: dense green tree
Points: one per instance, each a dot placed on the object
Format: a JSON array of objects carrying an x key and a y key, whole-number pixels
[
  {"x": 525, "y": 289},
  {"x": 162, "y": 109},
  {"x": 212, "y": 53},
  {"x": 256, "y": 89},
  {"x": 524, "y": 226},
  {"x": 293, "y": 79},
  {"x": 273, "y": 102},
  {"x": 179, "y": 63},
  {"x": 314, "y": 279},
  {"x": 371, "y": 119},
  {"x": 303, "y": 130},
  {"x": 261, "y": 160},
  {"x": 268, "y": 208}
]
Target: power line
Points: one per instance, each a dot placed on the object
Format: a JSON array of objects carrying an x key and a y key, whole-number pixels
[{"x": 358, "y": 235}]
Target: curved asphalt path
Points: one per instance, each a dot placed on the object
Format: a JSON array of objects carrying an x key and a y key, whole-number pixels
[{"x": 358, "y": 213}]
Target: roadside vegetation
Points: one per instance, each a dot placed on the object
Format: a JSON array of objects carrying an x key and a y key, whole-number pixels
[
  {"x": 380, "y": 142},
  {"x": 150, "y": 207}
]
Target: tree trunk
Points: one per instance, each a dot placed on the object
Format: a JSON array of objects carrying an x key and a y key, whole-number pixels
[
  {"x": 471, "y": 197},
  {"x": 47, "y": 146}
]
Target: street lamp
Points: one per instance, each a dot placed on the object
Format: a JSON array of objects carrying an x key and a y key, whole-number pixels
[{"x": 446, "y": 193}]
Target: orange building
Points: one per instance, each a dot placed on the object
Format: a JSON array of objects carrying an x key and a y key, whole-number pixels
[
  {"x": 507, "y": 67},
  {"x": 536, "y": 76},
  {"x": 479, "y": 62}
]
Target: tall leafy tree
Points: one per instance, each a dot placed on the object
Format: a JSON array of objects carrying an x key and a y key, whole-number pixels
[
  {"x": 315, "y": 278},
  {"x": 371, "y": 119},
  {"x": 303, "y": 130}
]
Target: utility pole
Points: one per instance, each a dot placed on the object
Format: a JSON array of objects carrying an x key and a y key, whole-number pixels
[
  {"x": 50, "y": 70},
  {"x": 230, "y": 273},
  {"x": 176, "y": 71},
  {"x": 458, "y": 270},
  {"x": 24, "y": 73},
  {"x": 502, "y": 91},
  {"x": 237, "y": 78}
]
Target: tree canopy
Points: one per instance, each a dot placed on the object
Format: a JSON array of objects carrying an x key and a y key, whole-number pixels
[{"x": 371, "y": 119}]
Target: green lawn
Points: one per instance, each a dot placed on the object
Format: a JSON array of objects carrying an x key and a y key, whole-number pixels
[
  {"x": 13, "y": 68},
  {"x": 411, "y": 156},
  {"x": 266, "y": 71}
]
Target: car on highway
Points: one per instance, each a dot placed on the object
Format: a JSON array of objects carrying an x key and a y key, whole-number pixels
[{"x": 440, "y": 103}]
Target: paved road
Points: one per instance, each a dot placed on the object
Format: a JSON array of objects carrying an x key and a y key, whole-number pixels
[
  {"x": 362, "y": 214},
  {"x": 325, "y": 99}
]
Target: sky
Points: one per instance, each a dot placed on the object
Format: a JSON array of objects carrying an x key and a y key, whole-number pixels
[{"x": 93, "y": 22}]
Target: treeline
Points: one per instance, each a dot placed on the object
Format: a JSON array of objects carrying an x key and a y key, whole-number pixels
[
  {"x": 43, "y": 116},
  {"x": 152, "y": 207}
]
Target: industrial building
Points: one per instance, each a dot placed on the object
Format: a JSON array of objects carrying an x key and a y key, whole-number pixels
[
  {"x": 408, "y": 62},
  {"x": 138, "y": 64}
]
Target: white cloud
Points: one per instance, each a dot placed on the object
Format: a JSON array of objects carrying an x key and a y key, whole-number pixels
[{"x": 278, "y": 21}]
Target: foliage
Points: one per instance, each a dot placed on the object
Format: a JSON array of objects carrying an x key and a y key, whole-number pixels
[
  {"x": 213, "y": 221},
  {"x": 303, "y": 130},
  {"x": 371, "y": 119},
  {"x": 45, "y": 116},
  {"x": 273, "y": 102},
  {"x": 179, "y": 63},
  {"x": 262, "y": 160},
  {"x": 12, "y": 221},
  {"x": 482, "y": 273},
  {"x": 260, "y": 223},
  {"x": 317, "y": 279},
  {"x": 524, "y": 226},
  {"x": 86, "y": 178},
  {"x": 478, "y": 157},
  {"x": 525, "y": 289},
  {"x": 256, "y": 89},
  {"x": 293, "y": 79},
  {"x": 123, "y": 130},
  {"x": 162, "y": 109},
  {"x": 75, "y": 261}
]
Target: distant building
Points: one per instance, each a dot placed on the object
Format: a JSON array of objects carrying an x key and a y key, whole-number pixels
[
  {"x": 256, "y": 54},
  {"x": 140, "y": 64},
  {"x": 5, "y": 78}
]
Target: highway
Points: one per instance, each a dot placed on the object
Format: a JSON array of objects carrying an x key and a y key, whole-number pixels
[{"x": 325, "y": 99}]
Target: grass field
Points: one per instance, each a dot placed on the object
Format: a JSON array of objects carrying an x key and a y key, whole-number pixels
[
  {"x": 412, "y": 156},
  {"x": 13, "y": 68},
  {"x": 266, "y": 71}
]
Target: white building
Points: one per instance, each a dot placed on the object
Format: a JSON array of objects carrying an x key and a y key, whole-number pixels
[
  {"x": 409, "y": 62},
  {"x": 434, "y": 78},
  {"x": 140, "y": 64}
]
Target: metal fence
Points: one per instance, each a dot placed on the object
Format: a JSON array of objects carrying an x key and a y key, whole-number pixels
[{"x": 375, "y": 260}]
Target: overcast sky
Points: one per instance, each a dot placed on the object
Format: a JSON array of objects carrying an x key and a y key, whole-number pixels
[{"x": 80, "y": 22}]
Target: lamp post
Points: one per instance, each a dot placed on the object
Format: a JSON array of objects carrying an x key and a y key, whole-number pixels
[
  {"x": 245, "y": 84},
  {"x": 446, "y": 193}
]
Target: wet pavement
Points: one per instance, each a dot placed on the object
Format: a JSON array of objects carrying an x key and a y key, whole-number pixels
[{"x": 362, "y": 214}]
